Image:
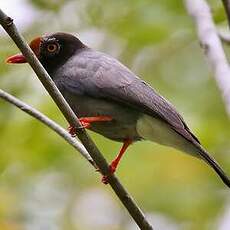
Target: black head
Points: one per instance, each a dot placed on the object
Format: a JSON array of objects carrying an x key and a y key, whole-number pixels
[
  {"x": 56, "y": 49},
  {"x": 52, "y": 50}
]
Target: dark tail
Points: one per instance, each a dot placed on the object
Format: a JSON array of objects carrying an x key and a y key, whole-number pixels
[{"x": 211, "y": 161}]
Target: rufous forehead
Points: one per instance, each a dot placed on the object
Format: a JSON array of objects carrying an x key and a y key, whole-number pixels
[{"x": 35, "y": 45}]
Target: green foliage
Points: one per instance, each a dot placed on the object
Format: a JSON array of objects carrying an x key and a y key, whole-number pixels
[
  {"x": 157, "y": 40},
  {"x": 52, "y": 5}
]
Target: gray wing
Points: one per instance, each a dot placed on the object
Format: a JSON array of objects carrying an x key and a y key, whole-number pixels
[{"x": 102, "y": 76}]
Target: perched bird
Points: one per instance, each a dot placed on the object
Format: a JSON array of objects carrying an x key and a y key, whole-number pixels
[{"x": 111, "y": 100}]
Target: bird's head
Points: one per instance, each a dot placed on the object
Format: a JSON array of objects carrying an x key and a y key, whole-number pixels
[{"x": 52, "y": 50}]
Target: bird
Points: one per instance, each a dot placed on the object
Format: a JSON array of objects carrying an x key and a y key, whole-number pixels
[{"x": 111, "y": 100}]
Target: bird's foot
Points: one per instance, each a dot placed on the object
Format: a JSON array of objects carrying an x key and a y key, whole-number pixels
[
  {"x": 86, "y": 123},
  {"x": 112, "y": 169},
  {"x": 72, "y": 131},
  {"x": 104, "y": 180},
  {"x": 115, "y": 162}
]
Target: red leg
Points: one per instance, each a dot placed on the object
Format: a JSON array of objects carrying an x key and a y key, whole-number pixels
[
  {"x": 86, "y": 122},
  {"x": 115, "y": 162}
]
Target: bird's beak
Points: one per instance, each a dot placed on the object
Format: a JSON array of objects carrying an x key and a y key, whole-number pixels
[
  {"x": 16, "y": 59},
  {"x": 19, "y": 58}
]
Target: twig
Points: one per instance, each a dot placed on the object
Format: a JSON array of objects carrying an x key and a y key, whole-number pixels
[
  {"x": 125, "y": 198},
  {"x": 224, "y": 37},
  {"x": 48, "y": 122},
  {"x": 226, "y": 4},
  {"x": 211, "y": 44}
]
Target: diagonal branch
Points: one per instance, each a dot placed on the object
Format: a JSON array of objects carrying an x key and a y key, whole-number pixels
[
  {"x": 48, "y": 122},
  {"x": 211, "y": 44},
  {"x": 125, "y": 198}
]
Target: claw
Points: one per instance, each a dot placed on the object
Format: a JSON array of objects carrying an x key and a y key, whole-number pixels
[
  {"x": 84, "y": 123},
  {"x": 112, "y": 169},
  {"x": 72, "y": 131},
  {"x": 104, "y": 180}
]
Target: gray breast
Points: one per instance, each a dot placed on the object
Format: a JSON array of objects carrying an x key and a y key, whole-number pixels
[
  {"x": 76, "y": 80},
  {"x": 124, "y": 121}
]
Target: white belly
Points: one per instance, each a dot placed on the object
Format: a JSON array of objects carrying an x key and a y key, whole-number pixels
[{"x": 153, "y": 129}]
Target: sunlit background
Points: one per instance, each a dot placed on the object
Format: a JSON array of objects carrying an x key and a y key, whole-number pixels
[{"x": 46, "y": 185}]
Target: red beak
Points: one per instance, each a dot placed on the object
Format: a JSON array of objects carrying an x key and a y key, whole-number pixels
[
  {"x": 16, "y": 59},
  {"x": 19, "y": 58}
]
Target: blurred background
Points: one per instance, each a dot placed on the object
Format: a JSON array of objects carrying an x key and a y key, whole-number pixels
[{"x": 45, "y": 184}]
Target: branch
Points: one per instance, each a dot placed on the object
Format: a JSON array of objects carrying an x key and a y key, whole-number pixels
[
  {"x": 125, "y": 198},
  {"x": 211, "y": 44},
  {"x": 226, "y": 4},
  {"x": 224, "y": 37},
  {"x": 48, "y": 122}
]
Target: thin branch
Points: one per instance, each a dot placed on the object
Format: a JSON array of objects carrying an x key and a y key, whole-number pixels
[
  {"x": 224, "y": 37},
  {"x": 226, "y": 4},
  {"x": 125, "y": 198},
  {"x": 211, "y": 44},
  {"x": 48, "y": 122}
]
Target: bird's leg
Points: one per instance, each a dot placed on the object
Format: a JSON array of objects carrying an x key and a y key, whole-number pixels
[
  {"x": 86, "y": 122},
  {"x": 115, "y": 162}
]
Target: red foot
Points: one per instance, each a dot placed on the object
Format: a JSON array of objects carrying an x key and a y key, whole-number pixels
[
  {"x": 112, "y": 169},
  {"x": 104, "y": 180},
  {"x": 116, "y": 161},
  {"x": 72, "y": 131},
  {"x": 86, "y": 122}
]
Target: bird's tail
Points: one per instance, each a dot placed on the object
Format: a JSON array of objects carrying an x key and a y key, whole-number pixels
[{"x": 212, "y": 162}]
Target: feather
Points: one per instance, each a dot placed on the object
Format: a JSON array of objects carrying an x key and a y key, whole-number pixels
[{"x": 101, "y": 76}]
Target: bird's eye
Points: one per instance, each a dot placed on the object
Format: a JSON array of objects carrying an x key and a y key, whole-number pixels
[{"x": 53, "y": 47}]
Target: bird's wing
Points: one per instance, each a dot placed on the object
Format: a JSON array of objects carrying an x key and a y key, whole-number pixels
[{"x": 105, "y": 77}]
